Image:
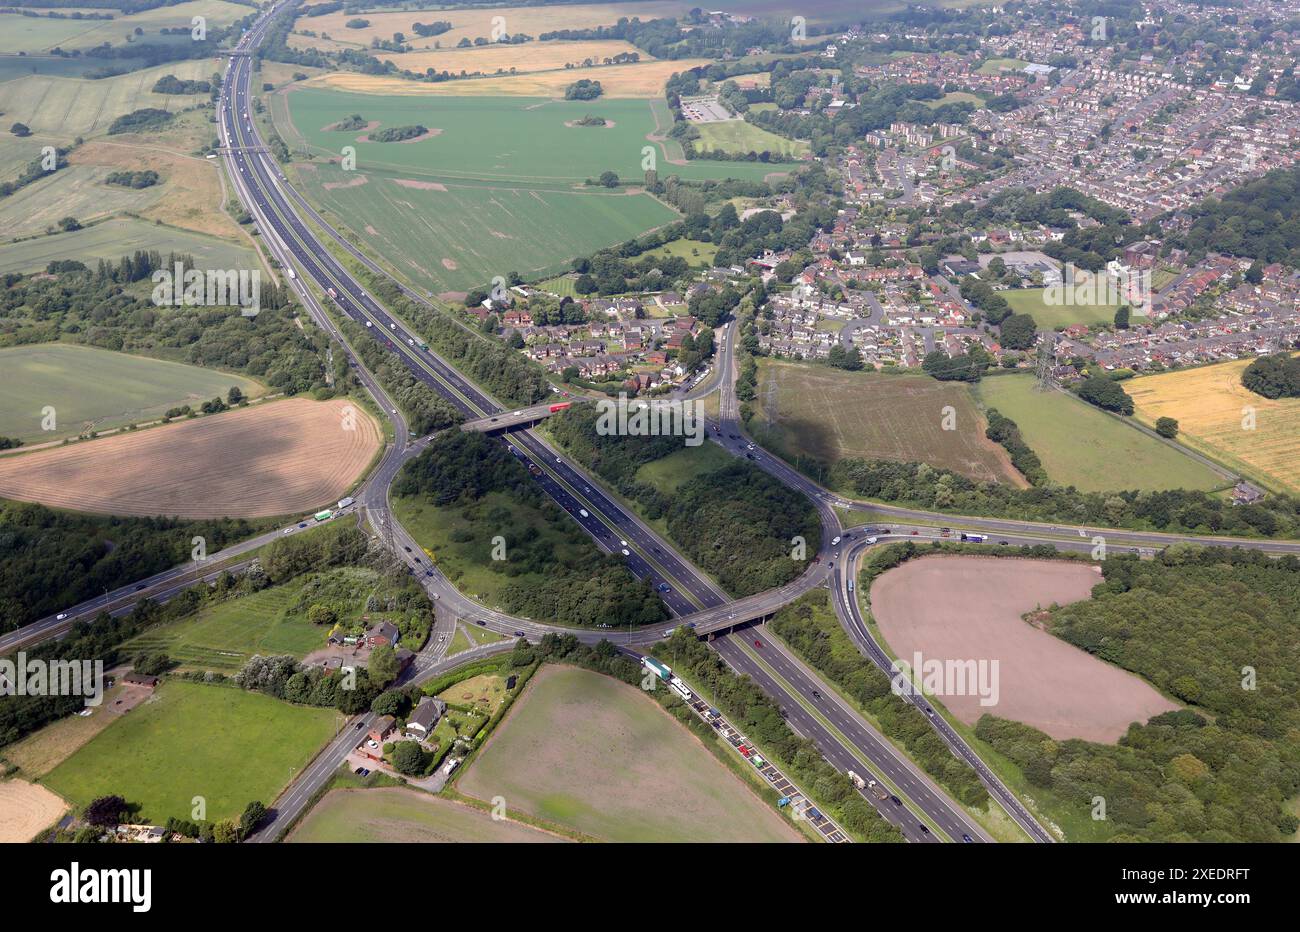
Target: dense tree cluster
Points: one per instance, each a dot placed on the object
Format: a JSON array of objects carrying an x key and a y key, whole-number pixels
[
  {"x": 1105, "y": 393},
  {"x": 736, "y": 522},
  {"x": 583, "y": 89},
  {"x": 1004, "y": 431},
  {"x": 129, "y": 179},
  {"x": 488, "y": 362},
  {"x": 1220, "y": 770},
  {"x": 398, "y": 133},
  {"x": 575, "y": 584},
  {"x": 425, "y": 410},
  {"x": 934, "y": 489},
  {"x": 50, "y": 559},
  {"x": 1276, "y": 376},
  {"x": 170, "y": 84},
  {"x": 144, "y": 120},
  {"x": 1260, "y": 220},
  {"x": 99, "y": 308}
]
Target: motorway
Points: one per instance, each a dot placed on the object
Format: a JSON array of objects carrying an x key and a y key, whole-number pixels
[{"x": 690, "y": 595}]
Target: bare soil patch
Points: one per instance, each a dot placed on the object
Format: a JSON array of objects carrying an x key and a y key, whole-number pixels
[
  {"x": 420, "y": 185},
  {"x": 354, "y": 182},
  {"x": 284, "y": 457},
  {"x": 26, "y": 809},
  {"x": 970, "y": 608},
  {"x": 574, "y": 124},
  {"x": 450, "y": 265}
]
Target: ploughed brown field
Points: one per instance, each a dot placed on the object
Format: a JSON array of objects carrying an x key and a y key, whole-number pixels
[
  {"x": 283, "y": 457},
  {"x": 969, "y": 608}
]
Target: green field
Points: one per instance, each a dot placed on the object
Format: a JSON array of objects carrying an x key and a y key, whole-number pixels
[
  {"x": 1082, "y": 446},
  {"x": 585, "y": 751},
  {"x": 224, "y": 636},
  {"x": 994, "y": 65},
  {"x": 63, "y": 108},
  {"x": 76, "y": 191},
  {"x": 806, "y": 410},
  {"x": 393, "y": 814},
  {"x": 668, "y": 473},
  {"x": 40, "y": 34},
  {"x": 1051, "y": 316},
  {"x": 737, "y": 136},
  {"x": 499, "y": 187},
  {"x": 468, "y": 563},
  {"x": 89, "y": 386},
  {"x": 114, "y": 238},
  {"x": 695, "y": 252},
  {"x": 226, "y": 745},
  {"x": 956, "y": 97}
]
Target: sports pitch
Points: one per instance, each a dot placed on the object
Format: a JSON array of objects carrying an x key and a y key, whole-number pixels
[{"x": 89, "y": 386}]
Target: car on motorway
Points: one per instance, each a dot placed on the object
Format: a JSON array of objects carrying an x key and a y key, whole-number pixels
[
  {"x": 626, "y": 552},
  {"x": 140, "y": 588},
  {"x": 923, "y": 828},
  {"x": 896, "y": 801},
  {"x": 664, "y": 587},
  {"x": 622, "y": 543},
  {"x": 757, "y": 642},
  {"x": 1003, "y": 543},
  {"x": 519, "y": 634},
  {"x": 583, "y": 512},
  {"x": 406, "y": 548},
  {"x": 60, "y": 616},
  {"x": 816, "y": 694},
  {"x": 966, "y": 838},
  {"x": 481, "y": 623}
]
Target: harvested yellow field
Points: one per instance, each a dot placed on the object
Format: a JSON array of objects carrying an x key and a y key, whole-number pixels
[
  {"x": 190, "y": 188},
  {"x": 277, "y": 458},
  {"x": 642, "y": 80},
  {"x": 533, "y": 56},
  {"x": 26, "y": 809},
  {"x": 1212, "y": 407},
  {"x": 479, "y": 22}
]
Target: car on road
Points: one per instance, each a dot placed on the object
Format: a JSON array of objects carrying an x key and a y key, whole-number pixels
[
  {"x": 1003, "y": 543},
  {"x": 583, "y": 512},
  {"x": 626, "y": 552},
  {"x": 558, "y": 460},
  {"x": 664, "y": 587},
  {"x": 359, "y": 724},
  {"x": 816, "y": 694},
  {"x": 519, "y": 634},
  {"x": 923, "y": 828},
  {"x": 430, "y": 573},
  {"x": 758, "y": 643},
  {"x": 406, "y": 548},
  {"x": 966, "y": 838},
  {"x": 896, "y": 801},
  {"x": 288, "y": 530},
  {"x": 481, "y": 623},
  {"x": 140, "y": 587},
  {"x": 622, "y": 543},
  {"x": 60, "y": 616}
]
